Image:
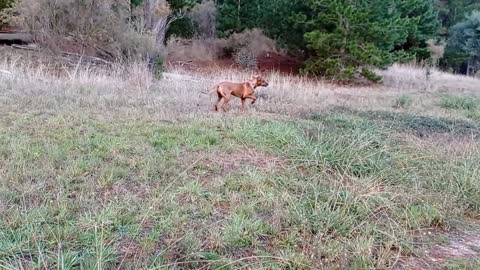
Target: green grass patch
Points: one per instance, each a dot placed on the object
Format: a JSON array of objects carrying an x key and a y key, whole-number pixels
[
  {"x": 459, "y": 103},
  {"x": 403, "y": 102},
  {"x": 419, "y": 125},
  {"x": 83, "y": 193}
]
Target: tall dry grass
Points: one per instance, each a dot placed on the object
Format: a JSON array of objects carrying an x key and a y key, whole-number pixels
[
  {"x": 411, "y": 78},
  {"x": 179, "y": 92}
]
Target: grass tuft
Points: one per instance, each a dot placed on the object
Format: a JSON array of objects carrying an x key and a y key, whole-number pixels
[{"x": 459, "y": 103}]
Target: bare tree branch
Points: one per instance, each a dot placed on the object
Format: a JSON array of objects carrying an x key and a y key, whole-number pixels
[{"x": 158, "y": 17}]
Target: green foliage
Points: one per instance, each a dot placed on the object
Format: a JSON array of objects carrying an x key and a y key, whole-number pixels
[
  {"x": 459, "y": 103},
  {"x": 342, "y": 39},
  {"x": 111, "y": 188},
  {"x": 463, "y": 48},
  {"x": 403, "y": 101},
  {"x": 453, "y": 11},
  {"x": 349, "y": 34},
  {"x": 157, "y": 66},
  {"x": 277, "y": 18},
  {"x": 6, "y": 4},
  {"x": 182, "y": 27},
  {"x": 5, "y": 16},
  {"x": 135, "y": 3},
  {"x": 229, "y": 18},
  {"x": 424, "y": 24}
]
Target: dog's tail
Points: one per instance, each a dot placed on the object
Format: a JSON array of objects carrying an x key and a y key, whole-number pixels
[{"x": 212, "y": 90}]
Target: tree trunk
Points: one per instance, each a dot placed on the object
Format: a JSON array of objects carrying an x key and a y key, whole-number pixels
[{"x": 469, "y": 67}]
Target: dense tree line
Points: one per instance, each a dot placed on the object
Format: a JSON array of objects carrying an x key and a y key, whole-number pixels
[
  {"x": 339, "y": 38},
  {"x": 344, "y": 39}
]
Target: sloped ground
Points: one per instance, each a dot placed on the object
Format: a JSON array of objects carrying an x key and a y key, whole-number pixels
[{"x": 115, "y": 171}]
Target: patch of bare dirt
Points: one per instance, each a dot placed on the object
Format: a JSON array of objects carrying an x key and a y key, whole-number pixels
[
  {"x": 237, "y": 159},
  {"x": 121, "y": 189},
  {"x": 278, "y": 62},
  {"x": 129, "y": 249},
  {"x": 459, "y": 246}
]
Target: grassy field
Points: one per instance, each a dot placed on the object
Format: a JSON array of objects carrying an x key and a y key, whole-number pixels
[{"x": 110, "y": 169}]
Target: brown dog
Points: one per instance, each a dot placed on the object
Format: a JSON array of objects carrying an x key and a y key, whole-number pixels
[{"x": 246, "y": 90}]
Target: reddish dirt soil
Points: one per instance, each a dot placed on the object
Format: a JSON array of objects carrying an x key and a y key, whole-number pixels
[
  {"x": 6, "y": 29},
  {"x": 278, "y": 62},
  {"x": 268, "y": 62}
]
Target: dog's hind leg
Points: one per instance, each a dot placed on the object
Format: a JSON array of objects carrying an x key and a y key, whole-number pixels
[
  {"x": 225, "y": 103},
  {"x": 220, "y": 98}
]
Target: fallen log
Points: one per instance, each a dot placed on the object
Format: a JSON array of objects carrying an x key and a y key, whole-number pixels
[{"x": 15, "y": 38}]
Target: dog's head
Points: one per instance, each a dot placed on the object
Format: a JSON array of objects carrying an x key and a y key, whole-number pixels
[{"x": 258, "y": 81}]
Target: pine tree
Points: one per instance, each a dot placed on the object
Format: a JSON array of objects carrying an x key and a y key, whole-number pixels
[
  {"x": 342, "y": 38},
  {"x": 278, "y": 20},
  {"x": 229, "y": 17},
  {"x": 351, "y": 36},
  {"x": 463, "y": 48},
  {"x": 456, "y": 10},
  {"x": 274, "y": 17},
  {"x": 424, "y": 25}
]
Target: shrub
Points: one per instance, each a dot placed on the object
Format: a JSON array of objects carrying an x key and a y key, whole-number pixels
[
  {"x": 252, "y": 40},
  {"x": 194, "y": 49},
  {"x": 5, "y": 11},
  {"x": 93, "y": 27},
  {"x": 244, "y": 47},
  {"x": 245, "y": 58},
  {"x": 156, "y": 66}
]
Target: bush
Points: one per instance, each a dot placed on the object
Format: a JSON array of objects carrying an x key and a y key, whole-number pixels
[
  {"x": 245, "y": 58},
  {"x": 5, "y": 8},
  {"x": 195, "y": 49},
  {"x": 156, "y": 66},
  {"x": 93, "y": 27},
  {"x": 244, "y": 47},
  {"x": 252, "y": 40}
]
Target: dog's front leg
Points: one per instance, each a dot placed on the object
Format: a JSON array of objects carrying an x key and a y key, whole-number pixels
[
  {"x": 244, "y": 106},
  {"x": 253, "y": 98}
]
